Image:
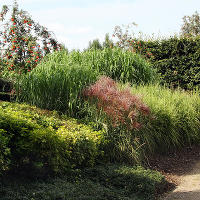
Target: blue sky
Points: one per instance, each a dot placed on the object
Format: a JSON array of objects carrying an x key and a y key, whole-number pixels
[{"x": 76, "y": 22}]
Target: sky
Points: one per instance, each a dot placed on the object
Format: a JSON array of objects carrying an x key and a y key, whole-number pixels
[{"x": 76, "y": 22}]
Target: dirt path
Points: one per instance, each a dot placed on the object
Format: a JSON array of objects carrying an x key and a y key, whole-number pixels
[
  {"x": 182, "y": 171},
  {"x": 189, "y": 187}
]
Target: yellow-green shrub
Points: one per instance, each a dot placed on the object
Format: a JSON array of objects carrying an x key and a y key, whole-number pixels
[
  {"x": 4, "y": 150},
  {"x": 46, "y": 143}
]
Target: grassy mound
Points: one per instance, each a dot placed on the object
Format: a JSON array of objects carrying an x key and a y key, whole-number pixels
[{"x": 56, "y": 83}]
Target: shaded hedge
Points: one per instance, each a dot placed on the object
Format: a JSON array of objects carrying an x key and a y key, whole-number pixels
[{"x": 177, "y": 59}]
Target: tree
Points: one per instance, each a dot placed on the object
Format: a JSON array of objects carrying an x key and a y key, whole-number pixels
[
  {"x": 108, "y": 43},
  {"x": 124, "y": 36},
  {"x": 191, "y": 25},
  {"x": 25, "y": 41},
  {"x": 95, "y": 44}
]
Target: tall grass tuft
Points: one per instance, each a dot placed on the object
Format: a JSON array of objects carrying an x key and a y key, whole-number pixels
[
  {"x": 57, "y": 81},
  {"x": 121, "y": 111},
  {"x": 176, "y": 118},
  {"x": 118, "y": 64},
  {"x": 56, "y": 85}
]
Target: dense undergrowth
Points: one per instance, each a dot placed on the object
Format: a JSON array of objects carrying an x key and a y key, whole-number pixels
[
  {"x": 37, "y": 143},
  {"x": 110, "y": 182}
]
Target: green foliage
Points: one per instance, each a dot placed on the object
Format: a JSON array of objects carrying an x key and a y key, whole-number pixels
[
  {"x": 4, "y": 151},
  {"x": 191, "y": 25},
  {"x": 111, "y": 182},
  {"x": 174, "y": 122},
  {"x": 108, "y": 43},
  {"x": 22, "y": 39},
  {"x": 56, "y": 84},
  {"x": 45, "y": 143},
  {"x": 176, "y": 59},
  {"x": 120, "y": 65},
  {"x": 95, "y": 44}
]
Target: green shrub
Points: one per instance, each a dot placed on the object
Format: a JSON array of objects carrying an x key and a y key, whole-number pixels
[
  {"x": 55, "y": 84},
  {"x": 176, "y": 59},
  {"x": 46, "y": 144},
  {"x": 4, "y": 151}
]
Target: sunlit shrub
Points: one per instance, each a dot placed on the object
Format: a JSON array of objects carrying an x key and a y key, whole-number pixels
[{"x": 31, "y": 140}]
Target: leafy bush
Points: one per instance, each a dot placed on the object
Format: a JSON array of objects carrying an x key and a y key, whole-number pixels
[
  {"x": 176, "y": 59},
  {"x": 56, "y": 84},
  {"x": 45, "y": 144}
]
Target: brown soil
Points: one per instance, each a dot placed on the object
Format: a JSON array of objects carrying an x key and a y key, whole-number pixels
[{"x": 182, "y": 171}]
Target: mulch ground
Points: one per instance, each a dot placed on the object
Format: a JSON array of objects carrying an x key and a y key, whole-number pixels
[{"x": 175, "y": 164}]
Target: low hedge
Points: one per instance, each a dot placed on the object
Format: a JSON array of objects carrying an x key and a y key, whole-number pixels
[{"x": 33, "y": 140}]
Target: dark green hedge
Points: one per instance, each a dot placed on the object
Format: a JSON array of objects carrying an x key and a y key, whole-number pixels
[{"x": 177, "y": 59}]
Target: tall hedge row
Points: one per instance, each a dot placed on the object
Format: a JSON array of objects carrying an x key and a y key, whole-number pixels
[{"x": 177, "y": 59}]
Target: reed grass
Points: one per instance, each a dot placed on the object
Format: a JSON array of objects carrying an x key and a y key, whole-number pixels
[
  {"x": 175, "y": 120},
  {"x": 173, "y": 123},
  {"x": 56, "y": 85},
  {"x": 118, "y": 64}
]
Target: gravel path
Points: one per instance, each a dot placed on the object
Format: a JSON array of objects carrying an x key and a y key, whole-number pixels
[{"x": 189, "y": 187}]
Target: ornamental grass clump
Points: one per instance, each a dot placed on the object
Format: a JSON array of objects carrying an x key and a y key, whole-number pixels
[
  {"x": 121, "y": 113},
  {"x": 120, "y": 106},
  {"x": 176, "y": 118},
  {"x": 120, "y": 65},
  {"x": 56, "y": 85}
]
